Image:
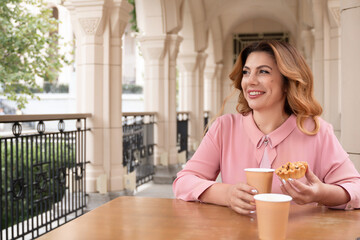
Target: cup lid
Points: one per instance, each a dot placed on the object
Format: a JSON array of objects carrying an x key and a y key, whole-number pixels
[
  {"x": 273, "y": 197},
  {"x": 259, "y": 170}
]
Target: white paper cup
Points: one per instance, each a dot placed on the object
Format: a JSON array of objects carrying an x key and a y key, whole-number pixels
[
  {"x": 260, "y": 178},
  {"x": 272, "y": 211}
]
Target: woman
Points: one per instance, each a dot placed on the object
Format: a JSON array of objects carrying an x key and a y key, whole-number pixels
[{"x": 278, "y": 122}]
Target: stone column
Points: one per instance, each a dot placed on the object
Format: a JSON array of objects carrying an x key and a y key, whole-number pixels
[
  {"x": 187, "y": 66},
  {"x": 332, "y": 66},
  {"x": 209, "y": 80},
  {"x": 213, "y": 90},
  {"x": 160, "y": 53},
  {"x": 350, "y": 84},
  {"x": 318, "y": 58},
  {"x": 307, "y": 40},
  {"x": 98, "y": 26},
  {"x": 119, "y": 15},
  {"x": 192, "y": 68}
]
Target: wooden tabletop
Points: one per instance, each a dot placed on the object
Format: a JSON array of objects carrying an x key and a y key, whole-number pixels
[{"x": 156, "y": 218}]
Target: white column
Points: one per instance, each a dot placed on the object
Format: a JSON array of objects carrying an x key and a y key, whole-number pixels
[
  {"x": 350, "y": 84},
  {"x": 209, "y": 78},
  {"x": 160, "y": 53},
  {"x": 217, "y": 90},
  {"x": 119, "y": 15},
  {"x": 213, "y": 89},
  {"x": 98, "y": 27},
  {"x": 169, "y": 107},
  {"x": 318, "y": 64},
  {"x": 332, "y": 74},
  {"x": 307, "y": 40},
  {"x": 192, "y": 68},
  {"x": 187, "y": 67}
]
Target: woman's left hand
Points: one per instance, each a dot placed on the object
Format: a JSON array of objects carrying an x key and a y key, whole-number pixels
[{"x": 303, "y": 193}]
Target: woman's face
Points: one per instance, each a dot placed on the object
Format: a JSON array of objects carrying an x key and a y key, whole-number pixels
[{"x": 262, "y": 83}]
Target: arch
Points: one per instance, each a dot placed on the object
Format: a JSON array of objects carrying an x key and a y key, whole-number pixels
[
  {"x": 233, "y": 12},
  {"x": 195, "y": 30},
  {"x": 158, "y": 17},
  {"x": 198, "y": 17}
]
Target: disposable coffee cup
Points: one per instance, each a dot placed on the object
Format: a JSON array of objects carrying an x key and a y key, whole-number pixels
[
  {"x": 272, "y": 211},
  {"x": 260, "y": 178}
]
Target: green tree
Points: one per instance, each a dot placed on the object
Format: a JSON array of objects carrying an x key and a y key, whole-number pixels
[{"x": 29, "y": 48}]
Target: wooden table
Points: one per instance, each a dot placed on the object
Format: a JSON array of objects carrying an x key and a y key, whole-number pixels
[{"x": 156, "y": 218}]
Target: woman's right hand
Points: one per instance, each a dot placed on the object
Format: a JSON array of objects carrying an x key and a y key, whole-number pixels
[{"x": 240, "y": 197}]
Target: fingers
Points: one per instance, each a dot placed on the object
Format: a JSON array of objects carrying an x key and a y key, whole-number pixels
[
  {"x": 298, "y": 185},
  {"x": 242, "y": 199},
  {"x": 311, "y": 177},
  {"x": 243, "y": 207},
  {"x": 246, "y": 192},
  {"x": 300, "y": 192},
  {"x": 243, "y": 211},
  {"x": 291, "y": 191}
]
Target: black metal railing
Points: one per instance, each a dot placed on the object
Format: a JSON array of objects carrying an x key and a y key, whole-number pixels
[
  {"x": 206, "y": 118},
  {"x": 42, "y": 173},
  {"x": 138, "y": 145},
  {"x": 182, "y": 132}
]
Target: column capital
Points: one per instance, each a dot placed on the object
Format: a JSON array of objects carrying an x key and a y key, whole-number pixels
[
  {"x": 201, "y": 61},
  {"x": 218, "y": 71},
  {"x": 346, "y": 4},
  {"x": 153, "y": 47},
  {"x": 334, "y": 13},
  {"x": 119, "y": 17},
  {"x": 187, "y": 61},
  {"x": 174, "y": 41},
  {"x": 209, "y": 71},
  {"x": 87, "y": 16}
]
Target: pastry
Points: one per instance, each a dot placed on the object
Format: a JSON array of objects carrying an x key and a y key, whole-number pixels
[{"x": 292, "y": 170}]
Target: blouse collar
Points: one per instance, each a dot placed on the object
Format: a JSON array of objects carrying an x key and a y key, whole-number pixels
[{"x": 275, "y": 137}]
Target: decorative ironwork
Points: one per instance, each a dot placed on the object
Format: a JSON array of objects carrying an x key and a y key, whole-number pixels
[
  {"x": 16, "y": 129},
  {"x": 61, "y": 126},
  {"x": 41, "y": 127},
  {"x": 78, "y": 124},
  {"x": 182, "y": 132},
  {"x": 206, "y": 119},
  {"x": 61, "y": 175},
  {"x": 138, "y": 145},
  {"x": 42, "y": 178},
  {"x": 41, "y": 182},
  {"x": 79, "y": 171},
  {"x": 18, "y": 189}
]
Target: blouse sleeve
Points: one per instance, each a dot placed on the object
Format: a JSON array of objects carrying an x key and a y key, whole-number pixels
[
  {"x": 201, "y": 170},
  {"x": 340, "y": 170}
]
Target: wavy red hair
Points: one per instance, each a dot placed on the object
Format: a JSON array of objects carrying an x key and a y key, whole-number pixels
[{"x": 298, "y": 81}]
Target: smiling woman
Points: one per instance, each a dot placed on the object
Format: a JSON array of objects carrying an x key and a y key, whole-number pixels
[
  {"x": 278, "y": 122},
  {"x": 295, "y": 74},
  {"x": 263, "y": 88}
]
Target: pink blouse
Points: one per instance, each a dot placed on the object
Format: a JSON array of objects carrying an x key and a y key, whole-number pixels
[{"x": 234, "y": 143}]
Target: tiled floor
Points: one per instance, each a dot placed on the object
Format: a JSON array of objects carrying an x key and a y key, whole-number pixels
[{"x": 155, "y": 190}]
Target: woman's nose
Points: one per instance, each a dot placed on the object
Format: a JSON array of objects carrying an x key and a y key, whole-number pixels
[{"x": 253, "y": 79}]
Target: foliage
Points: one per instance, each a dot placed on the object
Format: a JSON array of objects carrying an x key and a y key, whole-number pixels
[
  {"x": 55, "y": 88},
  {"x": 132, "y": 88},
  {"x": 29, "y": 48},
  {"x": 38, "y": 168},
  {"x": 132, "y": 21},
  {"x": 48, "y": 87}
]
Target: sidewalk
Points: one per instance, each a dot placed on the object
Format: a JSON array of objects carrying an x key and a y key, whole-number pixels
[{"x": 151, "y": 189}]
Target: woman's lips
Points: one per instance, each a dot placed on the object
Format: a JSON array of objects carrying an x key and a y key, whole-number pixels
[{"x": 255, "y": 93}]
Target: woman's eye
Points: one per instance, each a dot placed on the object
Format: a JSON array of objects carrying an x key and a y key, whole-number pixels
[
  {"x": 245, "y": 72},
  {"x": 264, "y": 71}
]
